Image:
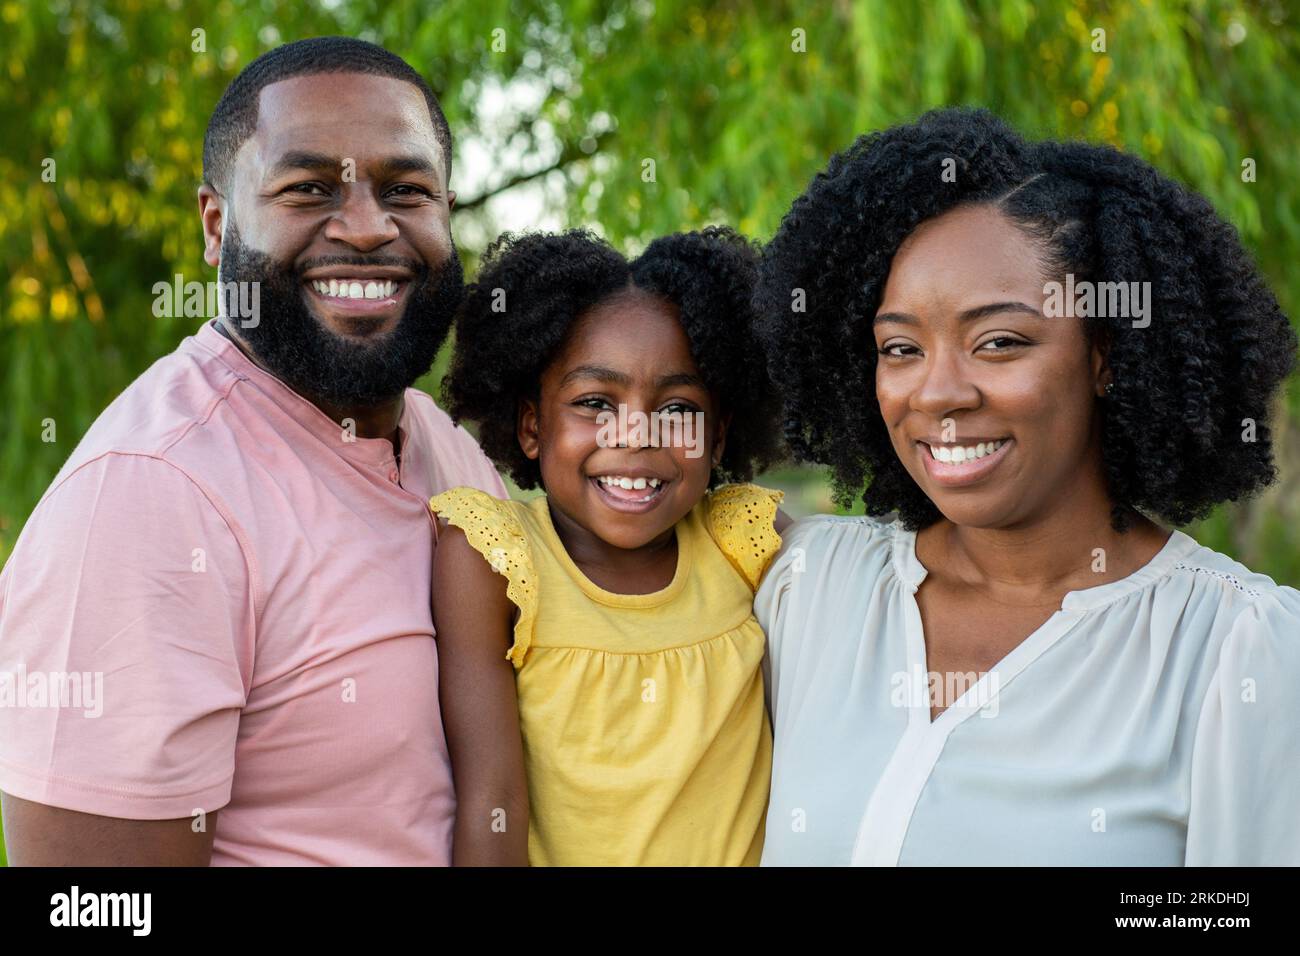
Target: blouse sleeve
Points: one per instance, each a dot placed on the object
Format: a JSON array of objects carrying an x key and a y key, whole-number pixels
[
  {"x": 494, "y": 532},
  {"x": 742, "y": 521},
  {"x": 1246, "y": 757}
]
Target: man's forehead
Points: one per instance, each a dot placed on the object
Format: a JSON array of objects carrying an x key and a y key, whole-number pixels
[{"x": 344, "y": 116}]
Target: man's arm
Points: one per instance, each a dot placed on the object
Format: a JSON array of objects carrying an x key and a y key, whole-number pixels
[
  {"x": 129, "y": 593},
  {"x": 37, "y": 835}
]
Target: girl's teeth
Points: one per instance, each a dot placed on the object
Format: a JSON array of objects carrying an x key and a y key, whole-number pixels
[
  {"x": 630, "y": 483},
  {"x": 963, "y": 453}
]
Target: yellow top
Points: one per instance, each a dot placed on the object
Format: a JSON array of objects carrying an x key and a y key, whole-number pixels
[{"x": 646, "y": 740}]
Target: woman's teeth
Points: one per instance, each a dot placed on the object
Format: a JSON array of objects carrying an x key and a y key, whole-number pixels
[
  {"x": 629, "y": 483},
  {"x": 956, "y": 454},
  {"x": 354, "y": 288}
]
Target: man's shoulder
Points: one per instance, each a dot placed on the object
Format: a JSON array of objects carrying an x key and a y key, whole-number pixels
[
  {"x": 178, "y": 392},
  {"x": 455, "y": 455}
]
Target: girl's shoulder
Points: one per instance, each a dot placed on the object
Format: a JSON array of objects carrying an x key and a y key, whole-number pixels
[
  {"x": 741, "y": 520},
  {"x": 496, "y": 529}
]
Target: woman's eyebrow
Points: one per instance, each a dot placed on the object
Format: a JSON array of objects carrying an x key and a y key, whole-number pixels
[{"x": 979, "y": 312}]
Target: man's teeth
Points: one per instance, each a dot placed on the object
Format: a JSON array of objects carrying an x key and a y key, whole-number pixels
[
  {"x": 354, "y": 288},
  {"x": 956, "y": 454},
  {"x": 629, "y": 483}
]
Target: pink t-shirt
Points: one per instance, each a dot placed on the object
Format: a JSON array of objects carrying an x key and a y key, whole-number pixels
[{"x": 249, "y": 590}]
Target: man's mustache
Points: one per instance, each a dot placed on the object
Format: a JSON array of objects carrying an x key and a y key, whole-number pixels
[{"x": 413, "y": 266}]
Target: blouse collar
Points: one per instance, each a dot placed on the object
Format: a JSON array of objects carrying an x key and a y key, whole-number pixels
[{"x": 911, "y": 572}]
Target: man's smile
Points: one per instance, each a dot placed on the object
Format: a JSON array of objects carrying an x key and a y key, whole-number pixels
[{"x": 357, "y": 298}]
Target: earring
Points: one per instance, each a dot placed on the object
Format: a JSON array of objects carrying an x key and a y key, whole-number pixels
[{"x": 1109, "y": 390}]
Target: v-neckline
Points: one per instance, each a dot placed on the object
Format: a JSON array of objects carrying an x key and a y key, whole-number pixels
[{"x": 982, "y": 695}]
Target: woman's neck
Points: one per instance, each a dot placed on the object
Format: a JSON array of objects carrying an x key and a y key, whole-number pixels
[{"x": 1071, "y": 547}]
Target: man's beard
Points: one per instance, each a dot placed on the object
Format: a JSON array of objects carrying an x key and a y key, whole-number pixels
[{"x": 321, "y": 365}]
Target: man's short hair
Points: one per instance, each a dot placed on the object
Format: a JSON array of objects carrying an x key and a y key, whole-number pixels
[{"x": 235, "y": 117}]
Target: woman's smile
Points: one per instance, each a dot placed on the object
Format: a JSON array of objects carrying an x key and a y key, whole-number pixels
[{"x": 955, "y": 466}]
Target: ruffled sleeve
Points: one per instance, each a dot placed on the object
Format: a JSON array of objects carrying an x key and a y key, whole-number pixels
[
  {"x": 1246, "y": 756},
  {"x": 741, "y": 520},
  {"x": 495, "y": 532}
]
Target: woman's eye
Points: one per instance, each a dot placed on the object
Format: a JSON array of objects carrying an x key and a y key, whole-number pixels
[
  {"x": 1003, "y": 343},
  {"x": 897, "y": 350},
  {"x": 592, "y": 403}
]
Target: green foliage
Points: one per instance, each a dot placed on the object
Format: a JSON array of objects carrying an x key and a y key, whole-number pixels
[
  {"x": 737, "y": 104},
  {"x": 717, "y": 94}
]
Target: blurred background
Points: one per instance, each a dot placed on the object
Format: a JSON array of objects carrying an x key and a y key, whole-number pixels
[{"x": 554, "y": 106}]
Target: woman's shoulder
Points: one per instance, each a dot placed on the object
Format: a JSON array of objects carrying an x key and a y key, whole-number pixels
[
  {"x": 819, "y": 550},
  {"x": 1251, "y": 610},
  {"x": 825, "y": 535}
]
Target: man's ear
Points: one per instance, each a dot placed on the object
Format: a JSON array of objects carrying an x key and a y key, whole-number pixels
[
  {"x": 451, "y": 199},
  {"x": 212, "y": 215},
  {"x": 720, "y": 437},
  {"x": 527, "y": 430}
]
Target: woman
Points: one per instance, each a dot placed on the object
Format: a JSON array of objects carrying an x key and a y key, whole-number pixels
[{"x": 1024, "y": 667}]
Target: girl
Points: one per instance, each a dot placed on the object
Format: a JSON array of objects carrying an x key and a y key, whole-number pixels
[{"x": 600, "y": 662}]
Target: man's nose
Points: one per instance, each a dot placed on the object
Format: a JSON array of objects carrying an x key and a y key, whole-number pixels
[{"x": 361, "y": 221}]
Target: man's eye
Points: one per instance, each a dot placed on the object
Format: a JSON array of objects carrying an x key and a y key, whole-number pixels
[
  {"x": 407, "y": 191},
  {"x": 304, "y": 189}
]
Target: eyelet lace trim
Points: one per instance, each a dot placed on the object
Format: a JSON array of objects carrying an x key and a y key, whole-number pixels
[
  {"x": 741, "y": 519},
  {"x": 494, "y": 532},
  {"x": 1221, "y": 575}
]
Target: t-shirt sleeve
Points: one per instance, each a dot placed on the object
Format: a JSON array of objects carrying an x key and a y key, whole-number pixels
[
  {"x": 1246, "y": 756},
  {"x": 126, "y": 636}
]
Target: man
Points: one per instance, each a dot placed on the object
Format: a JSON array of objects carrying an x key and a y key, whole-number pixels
[{"x": 239, "y": 549}]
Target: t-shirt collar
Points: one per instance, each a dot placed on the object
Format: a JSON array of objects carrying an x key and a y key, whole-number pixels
[{"x": 376, "y": 453}]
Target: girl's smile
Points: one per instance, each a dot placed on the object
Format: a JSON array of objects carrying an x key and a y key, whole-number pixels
[{"x": 631, "y": 490}]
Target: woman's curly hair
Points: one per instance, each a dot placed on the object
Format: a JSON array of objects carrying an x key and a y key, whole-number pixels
[
  {"x": 531, "y": 289},
  {"x": 1215, "y": 351}
]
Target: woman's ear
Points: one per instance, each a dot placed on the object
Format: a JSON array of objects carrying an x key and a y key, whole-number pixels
[
  {"x": 526, "y": 428},
  {"x": 1100, "y": 366}
]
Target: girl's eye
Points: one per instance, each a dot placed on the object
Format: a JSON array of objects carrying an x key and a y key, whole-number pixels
[
  {"x": 592, "y": 403},
  {"x": 679, "y": 408}
]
